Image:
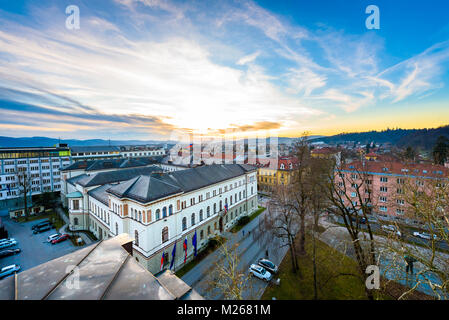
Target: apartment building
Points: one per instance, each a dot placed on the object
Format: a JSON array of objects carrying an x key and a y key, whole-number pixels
[
  {"x": 273, "y": 174},
  {"x": 161, "y": 210},
  {"x": 383, "y": 184},
  {"x": 42, "y": 165}
]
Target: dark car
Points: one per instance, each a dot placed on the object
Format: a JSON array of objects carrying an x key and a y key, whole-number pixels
[
  {"x": 268, "y": 265},
  {"x": 61, "y": 238},
  {"x": 43, "y": 228},
  {"x": 9, "y": 252},
  {"x": 362, "y": 220},
  {"x": 40, "y": 224}
]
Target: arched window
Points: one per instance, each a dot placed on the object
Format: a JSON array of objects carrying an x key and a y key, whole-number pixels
[
  {"x": 184, "y": 223},
  {"x": 208, "y": 211},
  {"x": 221, "y": 205},
  {"x": 235, "y": 197},
  {"x": 75, "y": 221},
  {"x": 226, "y": 218},
  {"x": 140, "y": 216},
  {"x": 158, "y": 214},
  {"x": 164, "y": 212},
  {"x": 201, "y": 235},
  {"x": 116, "y": 228},
  {"x": 164, "y": 234},
  {"x": 208, "y": 230},
  {"x": 215, "y": 208},
  {"x": 136, "y": 237},
  {"x": 252, "y": 189},
  {"x": 201, "y": 215},
  {"x": 192, "y": 219},
  {"x": 170, "y": 210}
]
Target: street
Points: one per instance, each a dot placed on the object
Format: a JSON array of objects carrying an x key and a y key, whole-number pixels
[{"x": 250, "y": 248}]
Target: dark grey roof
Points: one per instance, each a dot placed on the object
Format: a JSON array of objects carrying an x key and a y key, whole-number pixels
[
  {"x": 100, "y": 193},
  {"x": 75, "y": 179},
  {"x": 106, "y": 271},
  {"x": 202, "y": 176},
  {"x": 144, "y": 189},
  {"x": 94, "y": 149},
  {"x": 101, "y": 178},
  {"x": 160, "y": 185},
  {"x": 96, "y": 165}
]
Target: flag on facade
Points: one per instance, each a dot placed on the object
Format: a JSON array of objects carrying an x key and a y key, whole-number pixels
[
  {"x": 173, "y": 253},
  {"x": 191, "y": 145},
  {"x": 194, "y": 244},
  {"x": 162, "y": 260},
  {"x": 226, "y": 207},
  {"x": 185, "y": 249}
]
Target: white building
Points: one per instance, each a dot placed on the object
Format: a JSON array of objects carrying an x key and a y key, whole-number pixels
[
  {"x": 41, "y": 164},
  {"x": 161, "y": 209}
]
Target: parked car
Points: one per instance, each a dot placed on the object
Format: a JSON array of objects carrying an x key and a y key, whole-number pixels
[
  {"x": 9, "y": 252},
  {"x": 61, "y": 238},
  {"x": 268, "y": 265},
  {"x": 7, "y": 240},
  {"x": 8, "y": 244},
  {"x": 43, "y": 228},
  {"x": 425, "y": 235},
  {"x": 362, "y": 220},
  {"x": 373, "y": 220},
  {"x": 41, "y": 223},
  {"x": 260, "y": 272},
  {"x": 391, "y": 228},
  {"x": 9, "y": 270},
  {"x": 52, "y": 237}
]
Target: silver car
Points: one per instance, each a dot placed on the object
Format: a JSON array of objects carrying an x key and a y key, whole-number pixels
[
  {"x": 260, "y": 272},
  {"x": 8, "y": 244}
]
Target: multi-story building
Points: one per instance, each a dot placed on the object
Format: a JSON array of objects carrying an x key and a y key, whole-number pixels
[
  {"x": 383, "y": 185},
  {"x": 41, "y": 164},
  {"x": 114, "y": 152},
  {"x": 274, "y": 174},
  {"x": 161, "y": 210},
  {"x": 327, "y": 153}
]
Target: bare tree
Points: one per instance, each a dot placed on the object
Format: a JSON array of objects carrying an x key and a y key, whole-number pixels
[
  {"x": 350, "y": 197},
  {"x": 227, "y": 277},
  {"x": 299, "y": 202},
  {"x": 24, "y": 184},
  {"x": 281, "y": 221},
  {"x": 426, "y": 201}
]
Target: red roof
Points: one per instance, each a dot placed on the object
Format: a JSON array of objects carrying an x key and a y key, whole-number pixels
[{"x": 395, "y": 167}]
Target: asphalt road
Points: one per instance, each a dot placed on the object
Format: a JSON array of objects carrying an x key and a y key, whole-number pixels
[
  {"x": 35, "y": 249},
  {"x": 250, "y": 247},
  {"x": 407, "y": 234}
]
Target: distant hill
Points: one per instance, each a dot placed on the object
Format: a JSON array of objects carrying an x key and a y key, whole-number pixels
[
  {"x": 418, "y": 138},
  {"x": 6, "y": 142}
]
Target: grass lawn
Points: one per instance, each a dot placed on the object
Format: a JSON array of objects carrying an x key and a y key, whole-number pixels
[
  {"x": 335, "y": 281},
  {"x": 238, "y": 227}
]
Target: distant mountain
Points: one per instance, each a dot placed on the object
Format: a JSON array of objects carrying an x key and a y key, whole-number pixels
[
  {"x": 418, "y": 138},
  {"x": 6, "y": 142}
]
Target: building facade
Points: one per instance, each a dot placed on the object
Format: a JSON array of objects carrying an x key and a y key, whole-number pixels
[
  {"x": 41, "y": 164},
  {"x": 160, "y": 210},
  {"x": 269, "y": 176}
]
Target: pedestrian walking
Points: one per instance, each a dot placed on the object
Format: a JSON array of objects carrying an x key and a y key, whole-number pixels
[
  {"x": 243, "y": 232},
  {"x": 409, "y": 264}
]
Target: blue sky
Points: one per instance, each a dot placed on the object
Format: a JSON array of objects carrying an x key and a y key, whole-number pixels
[{"x": 144, "y": 69}]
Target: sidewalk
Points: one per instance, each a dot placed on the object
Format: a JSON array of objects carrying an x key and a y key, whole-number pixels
[
  {"x": 64, "y": 228},
  {"x": 392, "y": 267}
]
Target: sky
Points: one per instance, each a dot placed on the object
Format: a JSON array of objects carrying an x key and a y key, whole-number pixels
[{"x": 153, "y": 69}]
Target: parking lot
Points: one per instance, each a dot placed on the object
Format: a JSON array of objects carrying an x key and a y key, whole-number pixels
[{"x": 35, "y": 249}]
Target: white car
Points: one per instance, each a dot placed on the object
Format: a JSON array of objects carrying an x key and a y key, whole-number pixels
[
  {"x": 8, "y": 244},
  {"x": 7, "y": 240},
  {"x": 260, "y": 272},
  {"x": 9, "y": 270},
  {"x": 53, "y": 237},
  {"x": 424, "y": 235},
  {"x": 391, "y": 228}
]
